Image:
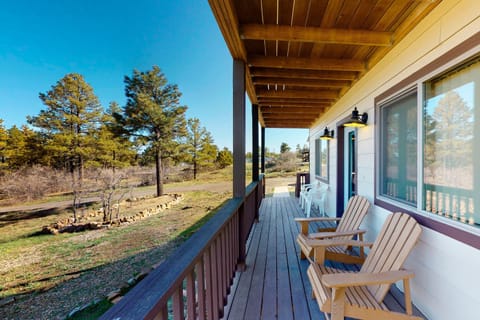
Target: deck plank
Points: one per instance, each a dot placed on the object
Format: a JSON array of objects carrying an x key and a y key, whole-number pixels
[
  {"x": 254, "y": 305},
  {"x": 284, "y": 295},
  {"x": 297, "y": 283},
  {"x": 242, "y": 291},
  {"x": 269, "y": 299}
]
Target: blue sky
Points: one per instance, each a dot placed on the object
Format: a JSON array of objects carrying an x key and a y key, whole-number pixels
[{"x": 104, "y": 40}]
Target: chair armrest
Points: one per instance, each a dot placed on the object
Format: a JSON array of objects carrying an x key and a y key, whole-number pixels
[
  {"x": 337, "y": 242},
  {"x": 316, "y": 219},
  {"x": 339, "y": 280},
  {"x": 335, "y": 234},
  {"x": 305, "y": 221}
]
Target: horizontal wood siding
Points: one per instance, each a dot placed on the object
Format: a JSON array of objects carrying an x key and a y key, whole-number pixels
[{"x": 441, "y": 288}]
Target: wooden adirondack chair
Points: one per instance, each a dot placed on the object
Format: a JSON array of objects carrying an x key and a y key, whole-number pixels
[
  {"x": 347, "y": 228},
  {"x": 360, "y": 294}
]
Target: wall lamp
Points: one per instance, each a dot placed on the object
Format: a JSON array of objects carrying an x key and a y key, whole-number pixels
[
  {"x": 357, "y": 120},
  {"x": 327, "y": 134}
]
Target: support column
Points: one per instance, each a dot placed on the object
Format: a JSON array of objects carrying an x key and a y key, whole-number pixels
[
  {"x": 239, "y": 129},
  {"x": 263, "y": 150},
  {"x": 255, "y": 173},
  {"x": 239, "y": 125}
]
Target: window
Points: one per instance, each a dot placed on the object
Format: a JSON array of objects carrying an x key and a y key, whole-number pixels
[
  {"x": 432, "y": 168},
  {"x": 398, "y": 155},
  {"x": 321, "y": 159},
  {"x": 451, "y": 144}
]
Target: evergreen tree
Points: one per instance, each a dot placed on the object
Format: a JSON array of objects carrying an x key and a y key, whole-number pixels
[
  {"x": 453, "y": 133},
  {"x": 284, "y": 147},
  {"x": 201, "y": 152},
  {"x": 3, "y": 144},
  {"x": 224, "y": 158},
  {"x": 113, "y": 149},
  {"x": 69, "y": 124},
  {"x": 153, "y": 116},
  {"x": 23, "y": 148}
]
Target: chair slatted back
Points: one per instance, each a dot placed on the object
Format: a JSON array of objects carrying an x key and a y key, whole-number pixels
[
  {"x": 398, "y": 236},
  {"x": 354, "y": 214}
]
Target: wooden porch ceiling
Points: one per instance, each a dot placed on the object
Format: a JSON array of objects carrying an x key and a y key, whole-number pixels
[{"x": 303, "y": 55}]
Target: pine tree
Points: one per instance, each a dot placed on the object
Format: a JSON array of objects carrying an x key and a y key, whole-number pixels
[
  {"x": 113, "y": 150},
  {"x": 200, "y": 148},
  {"x": 3, "y": 145},
  {"x": 224, "y": 158},
  {"x": 69, "y": 122},
  {"x": 153, "y": 116}
]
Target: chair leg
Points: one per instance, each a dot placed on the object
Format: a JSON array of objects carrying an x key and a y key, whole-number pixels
[{"x": 308, "y": 209}]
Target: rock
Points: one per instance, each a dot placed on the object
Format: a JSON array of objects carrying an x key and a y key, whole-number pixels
[
  {"x": 73, "y": 312},
  {"x": 6, "y": 301},
  {"x": 117, "y": 299},
  {"x": 112, "y": 295}
]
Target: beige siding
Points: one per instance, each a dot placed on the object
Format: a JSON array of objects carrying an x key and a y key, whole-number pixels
[{"x": 447, "y": 271}]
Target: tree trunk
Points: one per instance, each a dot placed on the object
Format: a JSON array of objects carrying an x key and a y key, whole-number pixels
[
  {"x": 158, "y": 171},
  {"x": 194, "y": 170}
]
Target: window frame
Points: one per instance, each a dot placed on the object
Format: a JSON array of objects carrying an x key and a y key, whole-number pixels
[
  {"x": 390, "y": 101},
  {"x": 455, "y": 57},
  {"x": 319, "y": 174}
]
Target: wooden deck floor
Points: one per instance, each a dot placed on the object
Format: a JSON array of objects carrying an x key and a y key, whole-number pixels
[{"x": 275, "y": 283}]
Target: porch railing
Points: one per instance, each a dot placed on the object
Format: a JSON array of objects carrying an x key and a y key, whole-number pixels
[
  {"x": 451, "y": 202},
  {"x": 195, "y": 281}
]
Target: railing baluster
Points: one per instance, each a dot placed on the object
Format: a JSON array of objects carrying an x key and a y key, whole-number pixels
[
  {"x": 228, "y": 250},
  {"x": 200, "y": 271},
  {"x": 224, "y": 271},
  {"x": 191, "y": 297},
  {"x": 209, "y": 286},
  {"x": 163, "y": 315},
  {"x": 213, "y": 266},
  {"x": 178, "y": 304}
]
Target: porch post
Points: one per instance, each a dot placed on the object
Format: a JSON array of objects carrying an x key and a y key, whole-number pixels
[
  {"x": 254, "y": 142},
  {"x": 238, "y": 129},
  {"x": 239, "y": 120},
  {"x": 263, "y": 150},
  {"x": 255, "y": 168}
]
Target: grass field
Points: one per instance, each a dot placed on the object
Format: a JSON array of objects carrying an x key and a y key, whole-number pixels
[{"x": 50, "y": 275}]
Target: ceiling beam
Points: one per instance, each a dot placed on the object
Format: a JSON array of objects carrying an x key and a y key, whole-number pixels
[
  {"x": 316, "y": 35},
  {"x": 295, "y": 105},
  {"x": 290, "y": 116},
  {"x": 301, "y": 82},
  {"x": 288, "y": 124},
  {"x": 303, "y": 74},
  {"x": 266, "y": 100},
  {"x": 266, "y": 110},
  {"x": 306, "y": 63},
  {"x": 306, "y": 94}
]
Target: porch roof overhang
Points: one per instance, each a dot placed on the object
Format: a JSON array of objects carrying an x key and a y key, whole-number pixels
[{"x": 301, "y": 56}]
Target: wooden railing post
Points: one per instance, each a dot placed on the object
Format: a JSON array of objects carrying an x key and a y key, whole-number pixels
[{"x": 242, "y": 254}]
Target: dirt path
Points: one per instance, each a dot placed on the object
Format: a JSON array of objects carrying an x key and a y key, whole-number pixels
[{"x": 214, "y": 187}]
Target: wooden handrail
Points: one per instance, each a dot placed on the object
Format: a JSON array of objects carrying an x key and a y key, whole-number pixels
[{"x": 195, "y": 281}]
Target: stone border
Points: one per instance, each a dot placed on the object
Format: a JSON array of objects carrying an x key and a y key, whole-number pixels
[
  {"x": 68, "y": 225},
  {"x": 117, "y": 294}
]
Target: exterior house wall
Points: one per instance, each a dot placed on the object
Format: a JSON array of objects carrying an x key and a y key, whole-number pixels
[{"x": 446, "y": 271}]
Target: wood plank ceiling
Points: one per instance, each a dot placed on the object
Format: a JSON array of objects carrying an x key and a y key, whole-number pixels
[{"x": 303, "y": 55}]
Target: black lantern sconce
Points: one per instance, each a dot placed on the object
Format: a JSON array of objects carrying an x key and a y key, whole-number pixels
[
  {"x": 327, "y": 134},
  {"x": 357, "y": 120}
]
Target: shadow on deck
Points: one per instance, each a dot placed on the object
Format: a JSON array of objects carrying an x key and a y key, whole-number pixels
[{"x": 275, "y": 284}]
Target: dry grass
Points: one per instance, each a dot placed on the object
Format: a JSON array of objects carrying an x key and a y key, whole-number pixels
[{"x": 51, "y": 275}]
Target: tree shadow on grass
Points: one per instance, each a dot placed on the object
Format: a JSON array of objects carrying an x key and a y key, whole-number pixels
[{"x": 15, "y": 216}]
